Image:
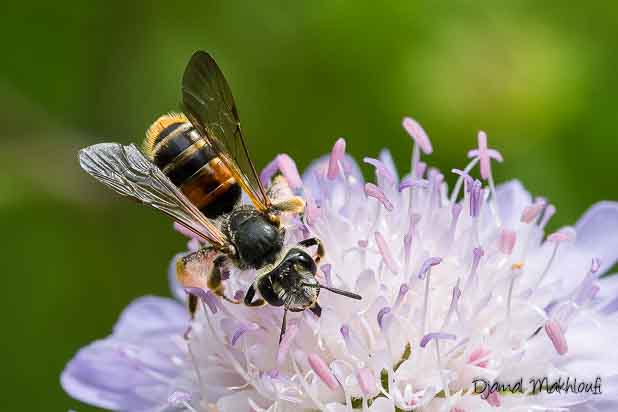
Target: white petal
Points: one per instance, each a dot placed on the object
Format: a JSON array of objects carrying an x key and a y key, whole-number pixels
[
  {"x": 609, "y": 287},
  {"x": 238, "y": 402},
  {"x": 597, "y": 233},
  {"x": 512, "y": 199},
  {"x": 151, "y": 313},
  {"x": 101, "y": 374},
  {"x": 320, "y": 166},
  {"x": 382, "y": 405},
  {"x": 335, "y": 407}
]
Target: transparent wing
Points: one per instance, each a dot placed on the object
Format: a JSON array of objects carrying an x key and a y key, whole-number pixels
[
  {"x": 129, "y": 172},
  {"x": 207, "y": 101}
]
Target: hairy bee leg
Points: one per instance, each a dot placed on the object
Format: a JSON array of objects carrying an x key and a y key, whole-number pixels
[
  {"x": 283, "y": 324},
  {"x": 316, "y": 309},
  {"x": 249, "y": 298},
  {"x": 192, "y": 302},
  {"x": 181, "y": 264},
  {"x": 314, "y": 241},
  {"x": 215, "y": 279}
]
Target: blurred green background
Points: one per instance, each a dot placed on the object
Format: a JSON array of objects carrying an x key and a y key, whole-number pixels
[{"x": 541, "y": 80}]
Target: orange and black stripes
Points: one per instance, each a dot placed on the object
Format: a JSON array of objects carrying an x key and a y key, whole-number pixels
[{"x": 186, "y": 158}]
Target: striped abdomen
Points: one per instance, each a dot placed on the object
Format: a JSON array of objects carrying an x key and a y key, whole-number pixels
[{"x": 186, "y": 158}]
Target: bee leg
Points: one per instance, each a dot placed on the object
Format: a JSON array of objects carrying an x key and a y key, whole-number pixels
[
  {"x": 316, "y": 309},
  {"x": 314, "y": 241},
  {"x": 249, "y": 298},
  {"x": 283, "y": 324},
  {"x": 215, "y": 279},
  {"x": 192, "y": 305}
]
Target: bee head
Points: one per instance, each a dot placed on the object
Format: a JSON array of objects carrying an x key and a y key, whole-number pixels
[{"x": 293, "y": 281}]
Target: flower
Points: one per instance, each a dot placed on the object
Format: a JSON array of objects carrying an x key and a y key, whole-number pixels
[{"x": 456, "y": 286}]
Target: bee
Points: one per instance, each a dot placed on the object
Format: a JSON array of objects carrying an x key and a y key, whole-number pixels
[
  {"x": 193, "y": 168},
  {"x": 175, "y": 147}
]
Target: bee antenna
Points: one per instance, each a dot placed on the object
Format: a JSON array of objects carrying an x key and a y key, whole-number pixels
[{"x": 335, "y": 290}]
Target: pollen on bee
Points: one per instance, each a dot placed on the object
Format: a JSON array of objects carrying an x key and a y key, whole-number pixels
[{"x": 157, "y": 127}]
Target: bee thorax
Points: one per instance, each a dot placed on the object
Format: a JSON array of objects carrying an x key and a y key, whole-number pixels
[{"x": 258, "y": 242}]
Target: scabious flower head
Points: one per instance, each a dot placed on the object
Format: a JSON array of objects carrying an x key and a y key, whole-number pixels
[{"x": 457, "y": 285}]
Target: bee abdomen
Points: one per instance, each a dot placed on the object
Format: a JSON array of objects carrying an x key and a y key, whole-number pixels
[
  {"x": 186, "y": 158},
  {"x": 212, "y": 189}
]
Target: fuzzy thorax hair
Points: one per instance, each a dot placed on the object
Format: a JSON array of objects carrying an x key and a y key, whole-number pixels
[{"x": 157, "y": 127}]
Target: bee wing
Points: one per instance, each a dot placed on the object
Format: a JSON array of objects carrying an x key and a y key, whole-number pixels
[
  {"x": 208, "y": 102},
  {"x": 128, "y": 171}
]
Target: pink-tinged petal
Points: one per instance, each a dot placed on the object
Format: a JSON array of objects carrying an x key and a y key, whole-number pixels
[
  {"x": 419, "y": 171},
  {"x": 312, "y": 212},
  {"x": 493, "y": 154},
  {"x": 507, "y": 241},
  {"x": 483, "y": 155},
  {"x": 386, "y": 253},
  {"x": 374, "y": 191},
  {"x": 286, "y": 165},
  {"x": 290, "y": 171},
  {"x": 366, "y": 381},
  {"x": 381, "y": 169},
  {"x": 417, "y": 133},
  {"x": 323, "y": 371},
  {"x": 494, "y": 399},
  {"x": 286, "y": 343},
  {"x": 319, "y": 168},
  {"x": 512, "y": 199},
  {"x": 597, "y": 233},
  {"x": 193, "y": 245},
  {"x": 386, "y": 158},
  {"x": 530, "y": 213},
  {"x": 475, "y": 191},
  {"x": 595, "y": 266},
  {"x": 561, "y": 236},
  {"x": 496, "y": 155},
  {"x": 407, "y": 182},
  {"x": 336, "y": 156},
  {"x": 556, "y": 335},
  {"x": 184, "y": 231},
  {"x": 269, "y": 171},
  {"x": 478, "y": 357}
]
